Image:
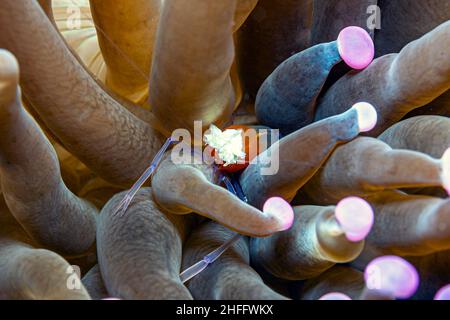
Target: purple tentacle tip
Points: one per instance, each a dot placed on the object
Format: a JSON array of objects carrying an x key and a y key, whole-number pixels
[
  {"x": 392, "y": 274},
  {"x": 356, "y": 47},
  {"x": 355, "y": 217},
  {"x": 443, "y": 293},
  {"x": 280, "y": 209},
  {"x": 335, "y": 296}
]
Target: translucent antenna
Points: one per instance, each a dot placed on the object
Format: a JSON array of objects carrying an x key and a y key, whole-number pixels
[
  {"x": 367, "y": 116},
  {"x": 123, "y": 205},
  {"x": 355, "y": 216},
  {"x": 214, "y": 255},
  {"x": 238, "y": 189},
  {"x": 443, "y": 293},
  {"x": 393, "y": 275},
  {"x": 195, "y": 269},
  {"x": 229, "y": 185},
  {"x": 335, "y": 296}
]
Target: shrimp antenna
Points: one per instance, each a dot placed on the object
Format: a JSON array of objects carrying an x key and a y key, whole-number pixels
[
  {"x": 201, "y": 265},
  {"x": 123, "y": 205}
]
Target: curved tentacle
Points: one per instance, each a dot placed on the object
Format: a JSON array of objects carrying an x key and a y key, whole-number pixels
[
  {"x": 90, "y": 124},
  {"x": 416, "y": 133},
  {"x": 326, "y": 27},
  {"x": 315, "y": 243},
  {"x": 230, "y": 277},
  {"x": 409, "y": 225},
  {"x": 139, "y": 253},
  {"x": 198, "y": 85},
  {"x": 93, "y": 282},
  {"x": 126, "y": 33},
  {"x": 366, "y": 165},
  {"x": 273, "y": 32},
  {"x": 29, "y": 273},
  {"x": 182, "y": 189},
  {"x": 31, "y": 179},
  {"x": 296, "y": 158},
  {"x": 397, "y": 83},
  {"x": 404, "y": 21}
]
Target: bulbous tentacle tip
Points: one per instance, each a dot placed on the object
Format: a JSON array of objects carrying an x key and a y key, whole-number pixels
[
  {"x": 111, "y": 298},
  {"x": 281, "y": 210},
  {"x": 9, "y": 70},
  {"x": 367, "y": 116},
  {"x": 355, "y": 217},
  {"x": 446, "y": 170},
  {"x": 335, "y": 296},
  {"x": 356, "y": 47},
  {"x": 392, "y": 274},
  {"x": 443, "y": 293}
]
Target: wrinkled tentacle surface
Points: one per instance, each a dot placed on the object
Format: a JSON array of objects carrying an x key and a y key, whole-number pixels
[
  {"x": 228, "y": 278},
  {"x": 94, "y": 284},
  {"x": 410, "y": 225},
  {"x": 126, "y": 34},
  {"x": 296, "y": 167},
  {"x": 311, "y": 246},
  {"x": 140, "y": 253},
  {"x": 89, "y": 122},
  {"x": 29, "y": 273},
  {"x": 182, "y": 189},
  {"x": 198, "y": 86},
  {"x": 273, "y": 32},
  {"x": 415, "y": 134},
  {"x": 366, "y": 165},
  {"x": 30, "y": 176},
  {"x": 397, "y": 83},
  {"x": 326, "y": 28},
  {"x": 90, "y": 108}
]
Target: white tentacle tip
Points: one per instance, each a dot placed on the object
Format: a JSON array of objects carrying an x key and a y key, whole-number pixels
[
  {"x": 367, "y": 116},
  {"x": 9, "y": 69}
]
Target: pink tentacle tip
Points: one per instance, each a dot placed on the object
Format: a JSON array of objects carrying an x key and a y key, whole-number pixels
[
  {"x": 355, "y": 217},
  {"x": 281, "y": 210},
  {"x": 446, "y": 170},
  {"x": 443, "y": 293},
  {"x": 111, "y": 298},
  {"x": 367, "y": 116},
  {"x": 335, "y": 296},
  {"x": 392, "y": 274},
  {"x": 356, "y": 47}
]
